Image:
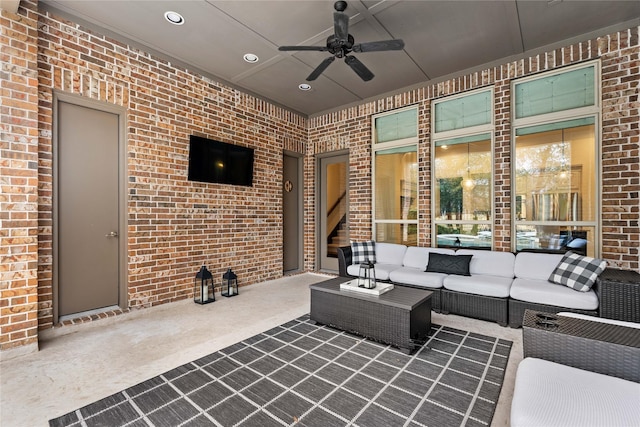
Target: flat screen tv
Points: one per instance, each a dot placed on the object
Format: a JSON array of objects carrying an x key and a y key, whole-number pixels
[{"x": 219, "y": 162}]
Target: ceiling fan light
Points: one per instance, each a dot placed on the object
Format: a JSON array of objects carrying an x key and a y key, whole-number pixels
[
  {"x": 174, "y": 17},
  {"x": 251, "y": 58}
]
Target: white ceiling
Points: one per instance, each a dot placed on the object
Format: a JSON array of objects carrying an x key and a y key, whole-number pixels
[{"x": 442, "y": 39}]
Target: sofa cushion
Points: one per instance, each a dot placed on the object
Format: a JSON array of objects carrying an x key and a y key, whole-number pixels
[
  {"x": 577, "y": 271},
  {"x": 417, "y": 277},
  {"x": 537, "y": 266},
  {"x": 449, "y": 264},
  {"x": 363, "y": 252},
  {"x": 492, "y": 263},
  {"x": 418, "y": 257},
  {"x": 390, "y": 253},
  {"x": 490, "y": 286},
  {"x": 550, "y": 394},
  {"x": 543, "y": 292},
  {"x": 382, "y": 270}
]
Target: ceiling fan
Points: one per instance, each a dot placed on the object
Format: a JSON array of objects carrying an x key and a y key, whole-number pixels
[{"x": 341, "y": 44}]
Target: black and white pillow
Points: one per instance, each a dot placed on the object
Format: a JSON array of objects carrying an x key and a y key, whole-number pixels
[
  {"x": 363, "y": 251},
  {"x": 577, "y": 271}
]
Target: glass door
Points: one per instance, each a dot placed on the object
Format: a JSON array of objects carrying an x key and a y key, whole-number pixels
[{"x": 333, "y": 212}]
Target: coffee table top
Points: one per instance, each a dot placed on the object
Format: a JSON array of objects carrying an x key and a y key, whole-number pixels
[{"x": 400, "y": 296}]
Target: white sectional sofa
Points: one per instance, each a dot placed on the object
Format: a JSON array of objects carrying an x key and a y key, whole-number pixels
[
  {"x": 500, "y": 286},
  {"x": 532, "y": 290},
  {"x": 577, "y": 371},
  {"x": 402, "y": 265}
]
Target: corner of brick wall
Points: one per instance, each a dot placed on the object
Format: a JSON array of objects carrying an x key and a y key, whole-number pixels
[
  {"x": 620, "y": 149},
  {"x": 19, "y": 179}
]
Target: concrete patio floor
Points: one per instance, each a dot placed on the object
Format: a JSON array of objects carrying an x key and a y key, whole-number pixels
[{"x": 79, "y": 364}]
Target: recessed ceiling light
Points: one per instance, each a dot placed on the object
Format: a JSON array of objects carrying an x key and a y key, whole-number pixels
[
  {"x": 304, "y": 86},
  {"x": 251, "y": 58},
  {"x": 174, "y": 17}
]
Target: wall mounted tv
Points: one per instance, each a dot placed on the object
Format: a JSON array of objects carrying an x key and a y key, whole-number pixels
[{"x": 219, "y": 162}]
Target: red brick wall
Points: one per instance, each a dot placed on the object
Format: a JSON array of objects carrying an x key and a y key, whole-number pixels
[
  {"x": 173, "y": 225},
  {"x": 618, "y": 53},
  {"x": 620, "y": 141},
  {"x": 18, "y": 178}
]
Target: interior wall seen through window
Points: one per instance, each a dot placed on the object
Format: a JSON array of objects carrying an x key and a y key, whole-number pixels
[
  {"x": 396, "y": 195},
  {"x": 555, "y": 188},
  {"x": 462, "y": 196}
]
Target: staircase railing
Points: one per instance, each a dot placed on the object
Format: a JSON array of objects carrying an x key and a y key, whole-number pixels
[{"x": 336, "y": 216}]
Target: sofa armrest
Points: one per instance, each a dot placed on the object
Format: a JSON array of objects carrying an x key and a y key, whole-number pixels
[
  {"x": 584, "y": 344},
  {"x": 344, "y": 260}
]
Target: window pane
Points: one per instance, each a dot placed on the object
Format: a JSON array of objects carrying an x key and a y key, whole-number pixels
[
  {"x": 464, "y": 235},
  {"x": 556, "y": 175},
  {"x": 401, "y": 125},
  {"x": 573, "y": 89},
  {"x": 396, "y": 187},
  {"x": 459, "y": 113},
  {"x": 549, "y": 237},
  {"x": 406, "y": 234},
  {"x": 463, "y": 181},
  {"x": 463, "y": 139}
]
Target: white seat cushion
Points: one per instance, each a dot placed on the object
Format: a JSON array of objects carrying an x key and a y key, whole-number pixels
[
  {"x": 390, "y": 253},
  {"x": 550, "y": 394},
  {"x": 490, "y": 286},
  {"x": 535, "y": 266},
  {"x": 382, "y": 270},
  {"x": 491, "y": 263},
  {"x": 543, "y": 292},
  {"x": 418, "y": 257},
  {"x": 417, "y": 277}
]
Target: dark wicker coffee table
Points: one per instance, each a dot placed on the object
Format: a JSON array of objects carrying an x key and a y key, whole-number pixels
[{"x": 400, "y": 317}]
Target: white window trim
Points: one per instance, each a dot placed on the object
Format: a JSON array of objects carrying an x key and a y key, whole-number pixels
[
  {"x": 382, "y": 146},
  {"x": 450, "y": 134},
  {"x": 594, "y": 111}
]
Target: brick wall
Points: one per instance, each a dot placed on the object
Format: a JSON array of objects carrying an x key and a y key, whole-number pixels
[
  {"x": 620, "y": 141},
  {"x": 618, "y": 53},
  {"x": 173, "y": 225},
  {"x": 18, "y": 178}
]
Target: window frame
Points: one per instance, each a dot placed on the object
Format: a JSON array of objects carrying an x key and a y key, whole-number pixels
[
  {"x": 459, "y": 133},
  {"x": 382, "y": 146},
  {"x": 594, "y": 111}
]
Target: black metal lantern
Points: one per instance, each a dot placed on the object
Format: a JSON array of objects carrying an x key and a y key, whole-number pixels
[
  {"x": 367, "y": 275},
  {"x": 229, "y": 284},
  {"x": 203, "y": 291}
]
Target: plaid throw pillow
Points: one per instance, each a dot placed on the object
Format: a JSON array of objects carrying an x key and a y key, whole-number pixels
[
  {"x": 363, "y": 251},
  {"x": 577, "y": 271}
]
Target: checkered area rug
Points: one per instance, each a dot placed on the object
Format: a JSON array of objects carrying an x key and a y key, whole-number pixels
[{"x": 309, "y": 375}]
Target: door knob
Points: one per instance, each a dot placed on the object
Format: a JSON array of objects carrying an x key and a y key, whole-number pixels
[{"x": 112, "y": 234}]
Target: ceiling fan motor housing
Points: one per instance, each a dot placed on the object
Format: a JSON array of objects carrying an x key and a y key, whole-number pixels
[{"x": 340, "y": 47}]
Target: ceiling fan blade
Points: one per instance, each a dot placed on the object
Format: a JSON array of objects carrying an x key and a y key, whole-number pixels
[
  {"x": 320, "y": 68},
  {"x": 360, "y": 69},
  {"x": 341, "y": 25},
  {"x": 396, "y": 44},
  {"x": 314, "y": 48}
]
